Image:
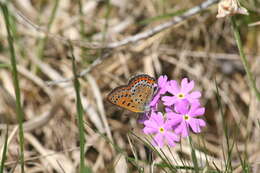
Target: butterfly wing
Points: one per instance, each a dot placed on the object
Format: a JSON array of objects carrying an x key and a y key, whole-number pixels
[
  {"x": 121, "y": 97},
  {"x": 136, "y": 95}
]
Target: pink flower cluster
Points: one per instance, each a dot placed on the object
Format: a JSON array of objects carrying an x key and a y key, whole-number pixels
[{"x": 178, "y": 117}]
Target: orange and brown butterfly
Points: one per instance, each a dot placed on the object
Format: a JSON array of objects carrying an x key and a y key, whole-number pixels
[{"x": 136, "y": 95}]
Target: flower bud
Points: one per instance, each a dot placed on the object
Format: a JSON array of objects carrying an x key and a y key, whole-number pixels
[{"x": 230, "y": 8}]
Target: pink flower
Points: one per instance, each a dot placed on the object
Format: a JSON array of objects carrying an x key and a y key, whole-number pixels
[
  {"x": 161, "y": 129},
  {"x": 161, "y": 89},
  {"x": 185, "y": 118},
  {"x": 181, "y": 93},
  {"x": 181, "y": 106}
]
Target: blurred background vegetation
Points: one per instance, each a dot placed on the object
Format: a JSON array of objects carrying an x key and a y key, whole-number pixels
[{"x": 200, "y": 47}]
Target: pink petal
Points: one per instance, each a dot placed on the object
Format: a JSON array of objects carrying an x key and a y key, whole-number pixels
[
  {"x": 194, "y": 106},
  {"x": 185, "y": 132},
  {"x": 162, "y": 80},
  {"x": 169, "y": 100},
  {"x": 195, "y": 95},
  {"x": 149, "y": 130},
  {"x": 171, "y": 115},
  {"x": 193, "y": 101},
  {"x": 163, "y": 90},
  {"x": 182, "y": 129},
  {"x": 186, "y": 87},
  {"x": 167, "y": 125},
  {"x": 198, "y": 112},
  {"x": 158, "y": 140},
  {"x": 182, "y": 106},
  {"x": 184, "y": 82},
  {"x": 173, "y": 87},
  {"x": 150, "y": 123},
  {"x": 158, "y": 118},
  {"x": 179, "y": 128},
  {"x": 172, "y": 136},
  {"x": 201, "y": 122},
  {"x": 176, "y": 120},
  {"x": 155, "y": 99},
  {"x": 194, "y": 124}
]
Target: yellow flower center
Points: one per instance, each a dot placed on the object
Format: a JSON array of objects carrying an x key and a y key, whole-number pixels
[
  {"x": 161, "y": 129},
  {"x": 186, "y": 117},
  {"x": 181, "y": 96}
]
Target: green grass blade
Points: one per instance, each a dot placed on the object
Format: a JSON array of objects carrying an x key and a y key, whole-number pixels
[
  {"x": 226, "y": 132},
  {"x": 3, "y": 65},
  {"x": 193, "y": 156},
  {"x": 81, "y": 22},
  {"x": 252, "y": 83},
  {"x": 44, "y": 40},
  {"x": 161, "y": 17},
  {"x": 19, "y": 111},
  {"x": 79, "y": 113}
]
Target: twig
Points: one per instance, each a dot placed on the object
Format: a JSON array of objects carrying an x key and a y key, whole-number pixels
[
  {"x": 163, "y": 26},
  {"x": 131, "y": 39}
]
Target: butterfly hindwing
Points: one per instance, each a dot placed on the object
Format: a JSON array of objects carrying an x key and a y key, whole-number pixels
[{"x": 121, "y": 97}]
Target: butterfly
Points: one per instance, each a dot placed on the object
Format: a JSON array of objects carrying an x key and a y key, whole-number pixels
[{"x": 136, "y": 95}]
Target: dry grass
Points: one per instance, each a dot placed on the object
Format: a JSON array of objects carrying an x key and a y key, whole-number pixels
[{"x": 201, "y": 48}]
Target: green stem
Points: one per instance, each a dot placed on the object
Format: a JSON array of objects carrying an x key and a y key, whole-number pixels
[
  {"x": 81, "y": 22},
  {"x": 19, "y": 111},
  {"x": 193, "y": 156},
  {"x": 249, "y": 74},
  {"x": 228, "y": 163},
  {"x": 44, "y": 40},
  {"x": 79, "y": 112}
]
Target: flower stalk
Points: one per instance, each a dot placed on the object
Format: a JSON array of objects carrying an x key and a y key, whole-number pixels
[{"x": 244, "y": 60}]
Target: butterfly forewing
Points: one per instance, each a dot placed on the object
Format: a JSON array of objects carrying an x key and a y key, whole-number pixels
[{"x": 136, "y": 95}]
